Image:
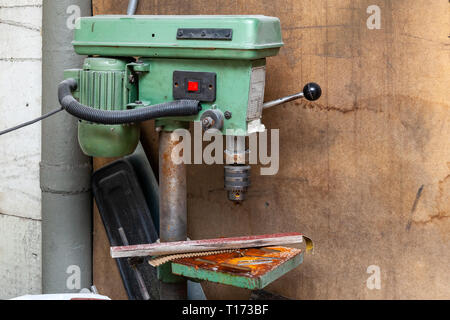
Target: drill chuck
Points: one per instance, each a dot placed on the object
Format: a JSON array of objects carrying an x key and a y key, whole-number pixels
[{"x": 237, "y": 181}]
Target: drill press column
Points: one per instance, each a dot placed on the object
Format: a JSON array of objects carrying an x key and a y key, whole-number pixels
[{"x": 173, "y": 210}]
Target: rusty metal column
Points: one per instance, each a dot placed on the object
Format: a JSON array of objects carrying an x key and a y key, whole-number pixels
[{"x": 173, "y": 208}]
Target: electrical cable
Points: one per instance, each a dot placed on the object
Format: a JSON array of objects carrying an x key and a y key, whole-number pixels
[{"x": 25, "y": 124}]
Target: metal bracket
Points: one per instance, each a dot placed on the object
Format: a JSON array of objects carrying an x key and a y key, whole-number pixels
[{"x": 139, "y": 66}]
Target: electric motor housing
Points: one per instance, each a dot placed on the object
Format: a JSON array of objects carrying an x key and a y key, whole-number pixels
[{"x": 104, "y": 85}]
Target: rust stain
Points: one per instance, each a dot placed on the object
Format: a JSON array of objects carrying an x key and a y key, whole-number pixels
[
  {"x": 321, "y": 107},
  {"x": 251, "y": 263},
  {"x": 168, "y": 168},
  {"x": 432, "y": 218},
  {"x": 444, "y": 196}
]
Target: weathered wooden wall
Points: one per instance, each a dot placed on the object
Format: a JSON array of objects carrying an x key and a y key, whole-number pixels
[{"x": 365, "y": 171}]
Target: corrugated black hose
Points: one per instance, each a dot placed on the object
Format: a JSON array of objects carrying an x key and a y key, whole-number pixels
[{"x": 177, "y": 108}]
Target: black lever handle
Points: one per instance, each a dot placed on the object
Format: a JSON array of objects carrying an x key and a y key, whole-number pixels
[{"x": 312, "y": 91}]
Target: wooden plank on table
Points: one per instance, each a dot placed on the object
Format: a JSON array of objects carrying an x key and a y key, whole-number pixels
[{"x": 156, "y": 249}]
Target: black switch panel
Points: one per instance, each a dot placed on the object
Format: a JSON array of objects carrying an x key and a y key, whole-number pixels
[
  {"x": 199, "y": 86},
  {"x": 204, "y": 34}
]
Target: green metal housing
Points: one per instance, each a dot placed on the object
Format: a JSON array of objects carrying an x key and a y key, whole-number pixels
[
  {"x": 103, "y": 84},
  {"x": 145, "y": 52},
  {"x": 254, "y": 37},
  {"x": 233, "y": 86}
]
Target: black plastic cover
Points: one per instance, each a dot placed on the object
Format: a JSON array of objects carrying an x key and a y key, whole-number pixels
[
  {"x": 204, "y": 34},
  {"x": 127, "y": 220}
]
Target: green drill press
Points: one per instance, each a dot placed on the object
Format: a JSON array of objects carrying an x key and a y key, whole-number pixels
[{"x": 177, "y": 70}]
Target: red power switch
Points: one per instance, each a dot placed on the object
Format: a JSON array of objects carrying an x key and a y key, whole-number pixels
[{"x": 193, "y": 86}]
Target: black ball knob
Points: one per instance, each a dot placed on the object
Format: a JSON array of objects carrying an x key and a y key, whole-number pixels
[{"x": 312, "y": 91}]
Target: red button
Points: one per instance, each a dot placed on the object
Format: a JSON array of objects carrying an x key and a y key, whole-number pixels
[{"x": 192, "y": 86}]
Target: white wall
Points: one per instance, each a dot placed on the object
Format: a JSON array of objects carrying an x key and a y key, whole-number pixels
[{"x": 20, "y": 152}]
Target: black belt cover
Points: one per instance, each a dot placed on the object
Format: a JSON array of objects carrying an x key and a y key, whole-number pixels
[{"x": 127, "y": 220}]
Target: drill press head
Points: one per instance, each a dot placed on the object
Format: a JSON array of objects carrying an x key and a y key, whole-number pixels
[
  {"x": 137, "y": 62},
  {"x": 217, "y": 60}
]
